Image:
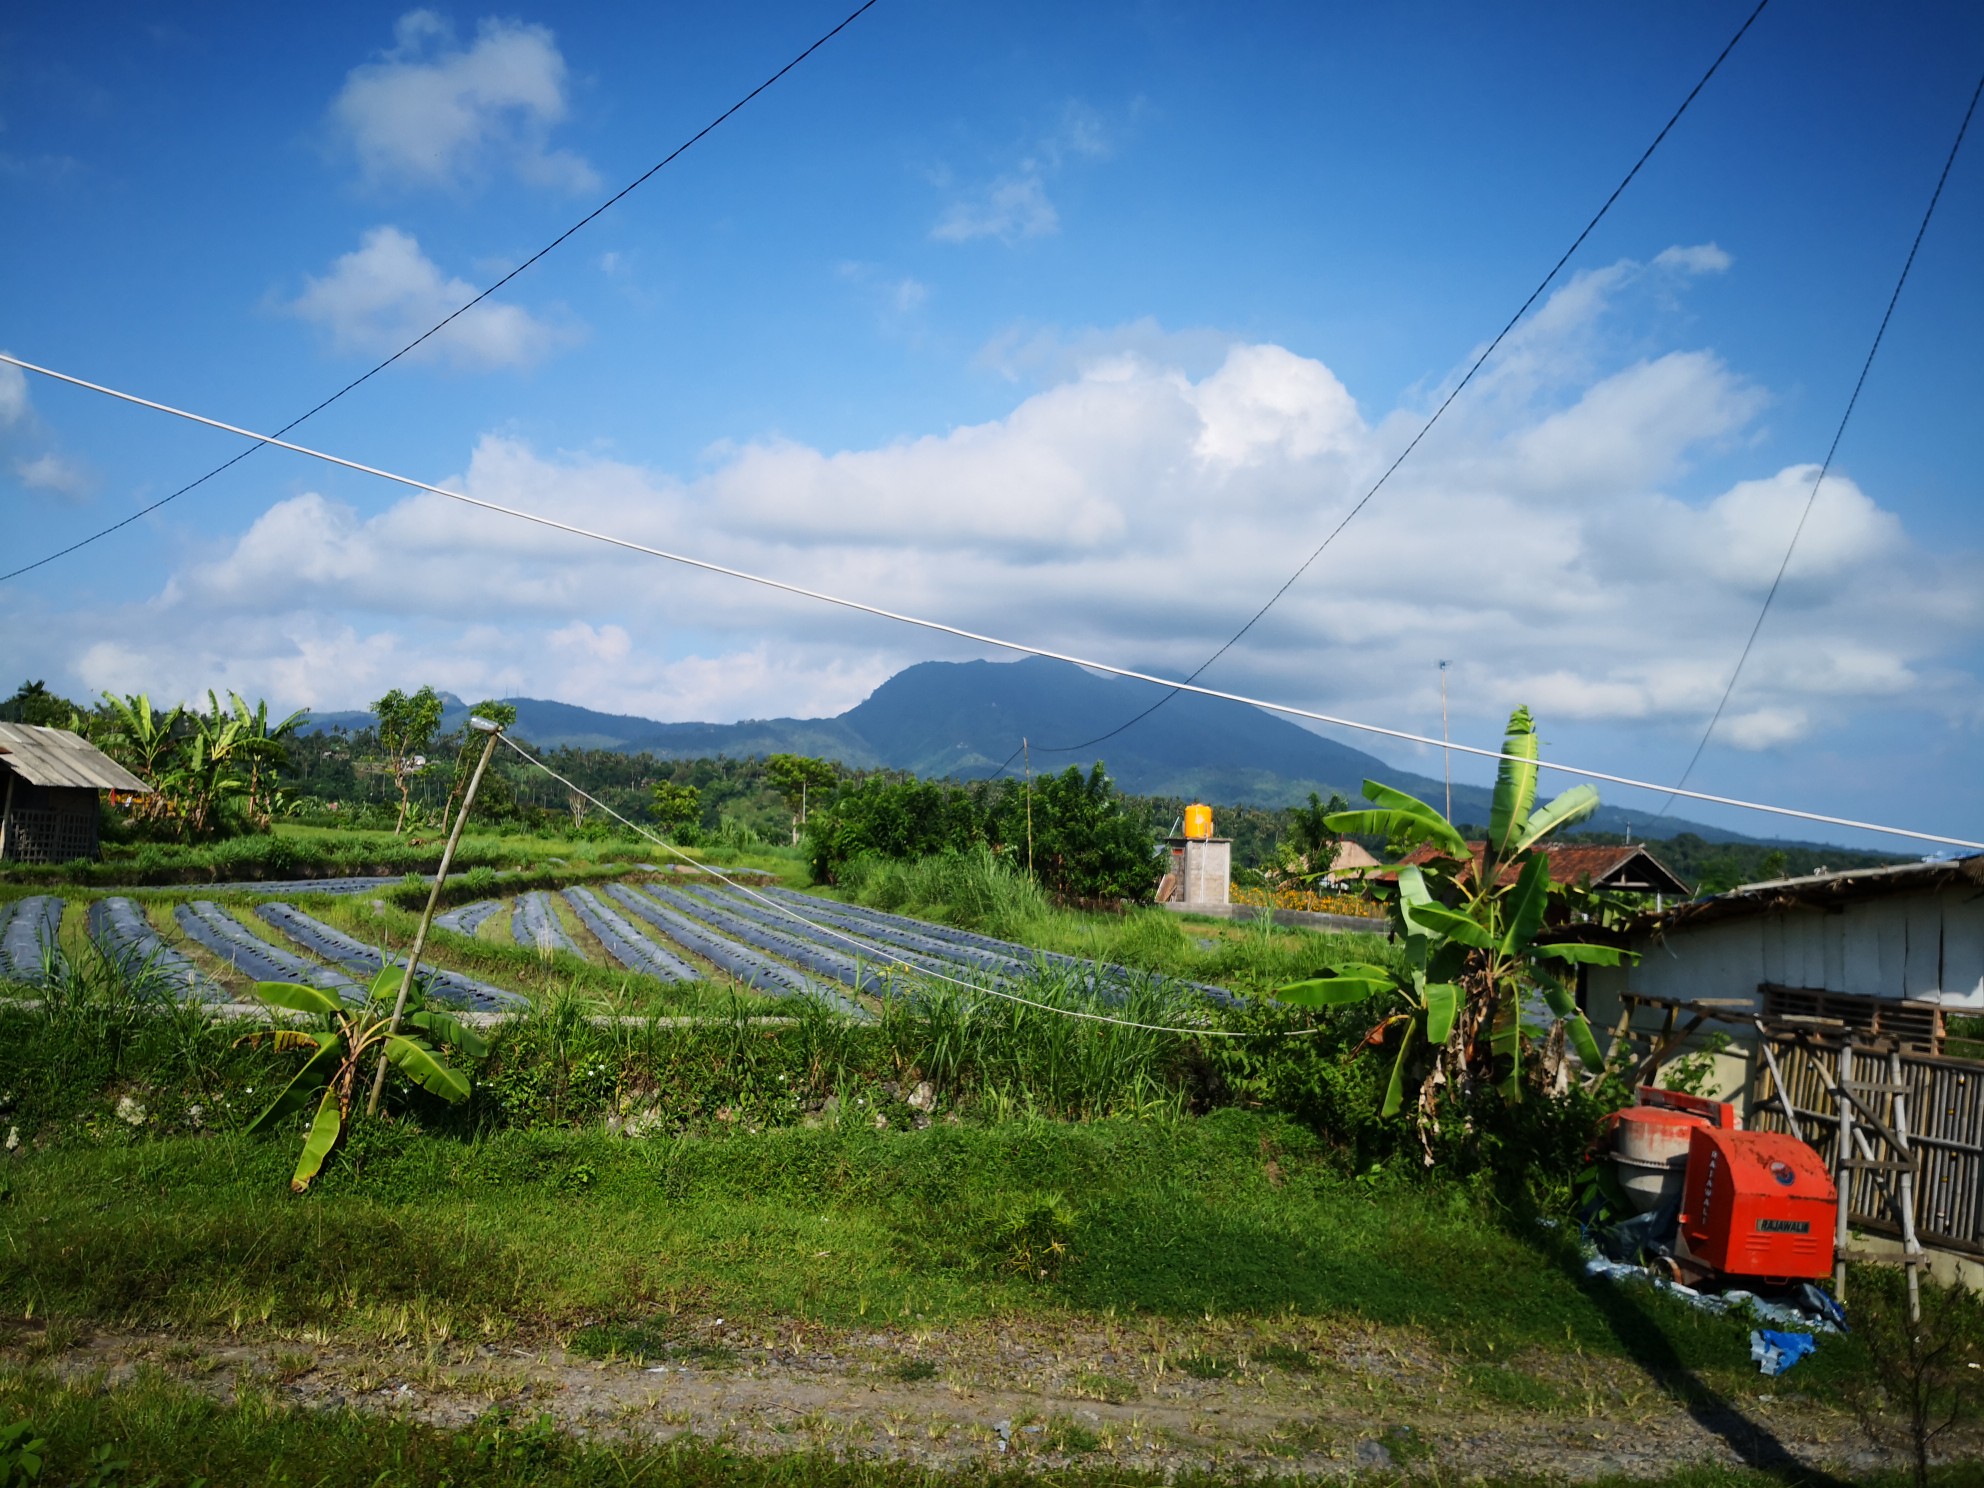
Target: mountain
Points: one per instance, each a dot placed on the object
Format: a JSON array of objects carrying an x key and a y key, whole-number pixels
[{"x": 964, "y": 719}]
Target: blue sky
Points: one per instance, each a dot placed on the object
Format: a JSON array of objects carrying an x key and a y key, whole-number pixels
[{"x": 1077, "y": 324}]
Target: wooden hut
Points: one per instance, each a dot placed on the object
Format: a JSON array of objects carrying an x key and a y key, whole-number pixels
[{"x": 49, "y": 779}]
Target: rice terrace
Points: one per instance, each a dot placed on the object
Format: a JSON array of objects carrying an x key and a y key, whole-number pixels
[{"x": 1264, "y": 934}]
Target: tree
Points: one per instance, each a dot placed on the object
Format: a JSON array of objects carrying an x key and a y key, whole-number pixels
[
  {"x": 676, "y": 808},
  {"x": 792, "y": 776},
  {"x": 33, "y": 703},
  {"x": 1085, "y": 846},
  {"x": 145, "y": 742},
  {"x": 263, "y": 748},
  {"x": 406, "y": 732},
  {"x": 1310, "y": 850},
  {"x": 468, "y": 749},
  {"x": 342, "y": 1044},
  {"x": 1472, "y": 934}
]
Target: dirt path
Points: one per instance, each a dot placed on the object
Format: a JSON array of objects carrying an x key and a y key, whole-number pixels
[{"x": 1313, "y": 1400}]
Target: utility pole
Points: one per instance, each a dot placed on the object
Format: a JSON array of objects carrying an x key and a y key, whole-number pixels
[
  {"x": 1446, "y": 739},
  {"x": 495, "y": 732}
]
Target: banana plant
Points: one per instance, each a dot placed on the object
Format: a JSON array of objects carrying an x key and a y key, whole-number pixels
[
  {"x": 1471, "y": 927},
  {"x": 347, "y": 1039}
]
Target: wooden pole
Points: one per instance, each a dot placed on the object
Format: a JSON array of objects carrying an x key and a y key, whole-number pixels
[
  {"x": 1027, "y": 749},
  {"x": 427, "y": 916}
]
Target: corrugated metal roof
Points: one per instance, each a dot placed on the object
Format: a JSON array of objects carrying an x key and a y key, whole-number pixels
[
  {"x": 1827, "y": 890},
  {"x": 56, "y": 757}
]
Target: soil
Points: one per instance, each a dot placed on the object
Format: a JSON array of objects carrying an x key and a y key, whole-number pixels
[{"x": 1254, "y": 1398}]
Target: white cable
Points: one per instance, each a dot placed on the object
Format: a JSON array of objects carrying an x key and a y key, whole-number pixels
[
  {"x": 982, "y": 639},
  {"x": 880, "y": 953}
]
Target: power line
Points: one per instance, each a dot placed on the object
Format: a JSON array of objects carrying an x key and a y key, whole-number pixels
[
  {"x": 460, "y": 311},
  {"x": 978, "y": 637},
  {"x": 882, "y": 953},
  {"x": 1447, "y": 402},
  {"x": 1832, "y": 449}
]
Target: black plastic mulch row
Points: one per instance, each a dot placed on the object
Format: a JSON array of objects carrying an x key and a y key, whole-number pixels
[
  {"x": 363, "y": 961},
  {"x": 313, "y": 885},
  {"x": 872, "y": 948},
  {"x": 30, "y": 932},
  {"x": 892, "y": 939},
  {"x": 750, "y": 968},
  {"x": 862, "y": 976},
  {"x": 534, "y": 925},
  {"x": 121, "y": 932},
  {"x": 468, "y": 919},
  {"x": 230, "y": 940},
  {"x": 1025, "y": 955},
  {"x": 625, "y": 944}
]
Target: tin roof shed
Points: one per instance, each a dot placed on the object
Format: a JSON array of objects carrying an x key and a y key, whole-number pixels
[{"x": 56, "y": 757}]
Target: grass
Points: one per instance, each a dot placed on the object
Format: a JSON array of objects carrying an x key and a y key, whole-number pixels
[
  {"x": 173, "y": 1434},
  {"x": 540, "y": 1233}
]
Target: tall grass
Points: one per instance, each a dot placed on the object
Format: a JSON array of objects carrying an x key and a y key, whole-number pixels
[{"x": 973, "y": 890}]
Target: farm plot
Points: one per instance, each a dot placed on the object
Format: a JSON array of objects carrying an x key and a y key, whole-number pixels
[
  {"x": 28, "y": 937},
  {"x": 363, "y": 961},
  {"x": 782, "y": 942},
  {"x": 534, "y": 925},
  {"x": 121, "y": 932},
  {"x": 759, "y": 973},
  {"x": 207, "y": 924},
  {"x": 468, "y": 919},
  {"x": 915, "y": 952},
  {"x": 625, "y": 944},
  {"x": 875, "y": 921},
  {"x": 921, "y": 946}
]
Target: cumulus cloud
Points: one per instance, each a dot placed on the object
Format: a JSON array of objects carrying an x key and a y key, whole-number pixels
[
  {"x": 386, "y": 291},
  {"x": 431, "y": 112},
  {"x": 1135, "y": 512}
]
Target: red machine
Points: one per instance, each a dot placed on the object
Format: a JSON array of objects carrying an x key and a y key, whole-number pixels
[
  {"x": 1756, "y": 1204},
  {"x": 1753, "y": 1205}
]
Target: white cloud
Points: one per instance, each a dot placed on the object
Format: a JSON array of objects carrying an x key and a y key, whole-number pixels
[
  {"x": 1135, "y": 512},
  {"x": 13, "y": 395},
  {"x": 430, "y": 112},
  {"x": 1010, "y": 208},
  {"x": 385, "y": 292},
  {"x": 53, "y": 474},
  {"x": 1014, "y": 205}
]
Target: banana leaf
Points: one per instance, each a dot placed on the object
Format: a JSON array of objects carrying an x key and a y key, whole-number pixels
[
  {"x": 1442, "y": 1003},
  {"x": 1586, "y": 955},
  {"x": 387, "y": 982},
  {"x": 1395, "y": 1091},
  {"x": 1573, "y": 806},
  {"x": 426, "y": 1068},
  {"x": 1515, "y": 788},
  {"x": 296, "y": 997},
  {"x": 1527, "y": 903},
  {"x": 1401, "y": 814},
  {"x": 1565, "y": 1006},
  {"x": 451, "y": 1031},
  {"x": 1333, "y": 991},
  {"x": 324, "y": 1133},
  {"x": 317, "y": 1070}
]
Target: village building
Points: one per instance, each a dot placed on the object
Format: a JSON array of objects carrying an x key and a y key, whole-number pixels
[
  {"x": 49, "y": 780},
  {"x": 1839, "y": 997}
]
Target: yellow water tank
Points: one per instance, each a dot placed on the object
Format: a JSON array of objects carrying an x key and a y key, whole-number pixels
[{"x": 1198, "y": 822}]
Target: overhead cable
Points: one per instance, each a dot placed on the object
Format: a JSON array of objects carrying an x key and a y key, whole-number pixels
[
  {"x": 978, "y": 637},
  {"x": 1831, "y": 450},
  {"x": 460, "y": 310},
  {"x": 1427, "y": 427},
  {"x": 879, "y": 952}
]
